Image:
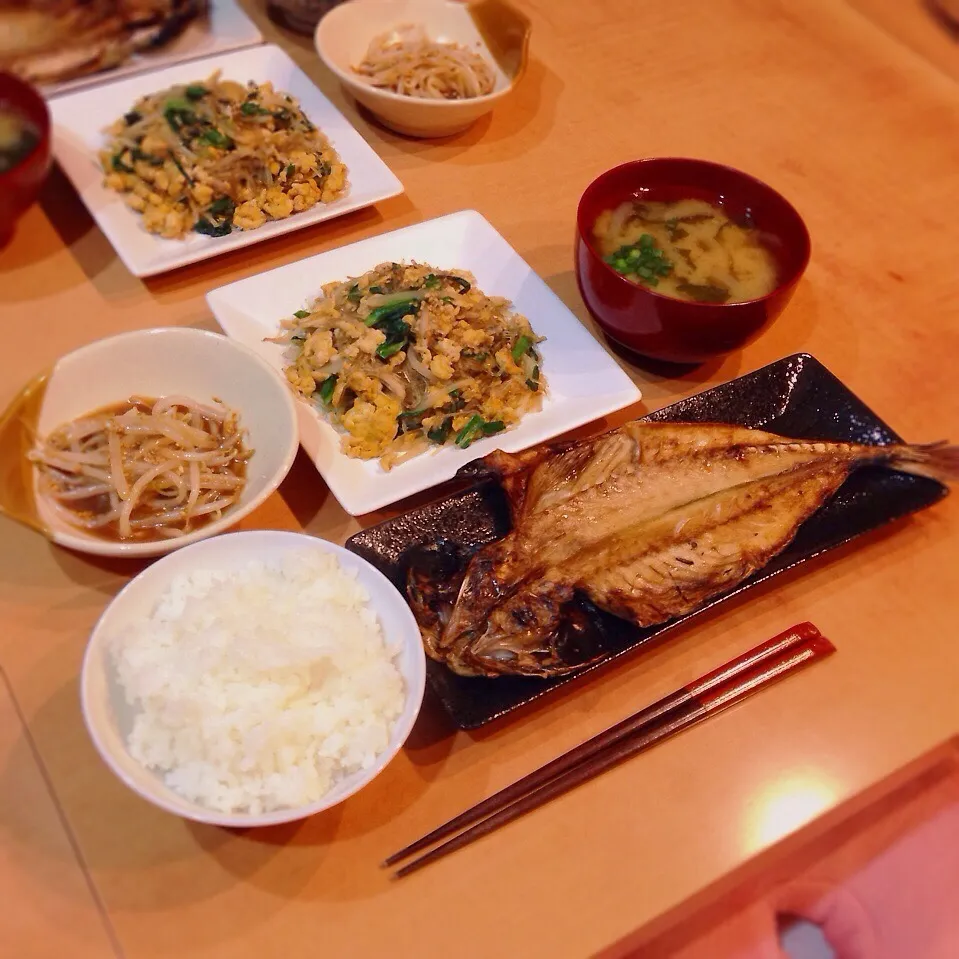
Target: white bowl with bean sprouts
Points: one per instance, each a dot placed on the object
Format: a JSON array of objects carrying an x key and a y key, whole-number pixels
[
  {"x": 425, "y": 68},
  {"x": 154, "y": 439}
]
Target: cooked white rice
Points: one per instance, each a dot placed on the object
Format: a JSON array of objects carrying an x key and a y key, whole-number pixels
[{"x": 259, "y": 689}]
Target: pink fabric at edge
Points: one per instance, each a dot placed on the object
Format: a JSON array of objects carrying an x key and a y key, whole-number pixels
[{"x": 884, "y": 885}]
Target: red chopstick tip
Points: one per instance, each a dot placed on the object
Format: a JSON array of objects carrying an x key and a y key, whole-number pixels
[
  {"x": 821, "y": 646},
  {"x": 807, "y": 631}
]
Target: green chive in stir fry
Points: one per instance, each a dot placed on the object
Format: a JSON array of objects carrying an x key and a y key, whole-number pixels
[
  {"x": 409, "y": 357},
  {"x": 217, "y": 156}
]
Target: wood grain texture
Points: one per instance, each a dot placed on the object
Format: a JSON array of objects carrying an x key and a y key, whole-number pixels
[
  {"x": 856, "y": 129},
  {"x": 930, "y": 28},
  {"x": 47, "y": 906}
]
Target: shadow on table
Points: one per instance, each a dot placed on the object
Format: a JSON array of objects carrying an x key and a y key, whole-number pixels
[
  {"x": 72, "y": 221},
  {"x": 946, "y": 14},
  {"x": 564, "y": 285},
  {"x": 144, "y": 859},
  {"x": 530, "y": 111},
  {"x": 33, "y": 243},
  {"x": 105, "y": 574},
  {"x": 139, "y": 857},
  {"x": 793, "y": 330},
  {"x": 102, "y": 267},
  {"x": 304, "y": 490},
  {"x": 180, "y": 284}
]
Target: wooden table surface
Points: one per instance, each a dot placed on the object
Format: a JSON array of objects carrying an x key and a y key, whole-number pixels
[{"x": 828, "y": 104}]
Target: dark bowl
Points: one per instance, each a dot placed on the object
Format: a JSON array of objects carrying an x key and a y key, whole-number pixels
[
  {"x": 20, "y": 185},
  {"x": 662, "y": 327}
]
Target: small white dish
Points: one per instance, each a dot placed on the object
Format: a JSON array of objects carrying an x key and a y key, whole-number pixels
[
  {"x": 171, "y": 361},
  {"x": 108, "y": 718},
  {"x": 80, "y": 118},
  {"x": 492, "y": 28},
  {"x": 226, "y": 28},
  {"x": 584, "y": 381}
]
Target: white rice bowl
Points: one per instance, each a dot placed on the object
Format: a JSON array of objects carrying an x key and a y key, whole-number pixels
[{"x": 253, "y": 678}]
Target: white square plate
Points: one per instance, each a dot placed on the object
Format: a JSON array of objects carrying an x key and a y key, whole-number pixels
[
  {"x": 226, "y": 28},
  {"x": 584, "y": 382},
  {"x": 80, "y": 118}
]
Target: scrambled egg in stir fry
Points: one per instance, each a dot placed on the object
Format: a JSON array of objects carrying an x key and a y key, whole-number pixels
[
  {"x": 406, "y": 357},
  {"x": 217, "y": 156}
]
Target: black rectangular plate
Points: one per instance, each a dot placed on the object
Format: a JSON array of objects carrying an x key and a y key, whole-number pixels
[{"x": 796, "y": 396}]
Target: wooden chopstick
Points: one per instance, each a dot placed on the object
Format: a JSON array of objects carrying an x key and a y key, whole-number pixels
[
  {"x": 702, "y": 698},
  {"x": 802, "y": 633}
]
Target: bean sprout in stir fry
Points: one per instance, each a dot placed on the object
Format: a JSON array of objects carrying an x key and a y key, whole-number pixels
[
  {"x": 144, "y": 469},
  {"x": 408, "y": 357},
  {"x": 407, "y": 62},
  {"x": 215, "y": 156}
]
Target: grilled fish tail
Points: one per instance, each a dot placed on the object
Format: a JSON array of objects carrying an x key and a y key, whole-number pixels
[{"x": 938, "y": 461}]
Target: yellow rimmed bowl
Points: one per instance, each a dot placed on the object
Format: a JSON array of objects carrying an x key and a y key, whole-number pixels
[{"x": 158, "y": 362}]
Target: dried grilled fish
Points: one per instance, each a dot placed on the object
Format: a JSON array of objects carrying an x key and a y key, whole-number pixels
[
  {"x": 49, "y": 41},
  {"x": 648, "y": 522}
]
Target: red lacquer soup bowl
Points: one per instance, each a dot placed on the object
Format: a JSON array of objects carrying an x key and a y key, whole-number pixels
[
  {"x": 665, "y": 328},
  {"x": 20, "y": 184}
]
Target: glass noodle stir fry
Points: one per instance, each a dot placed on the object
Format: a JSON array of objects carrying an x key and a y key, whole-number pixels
[
  {"x": 406, "y": 357},
  {"x": 216, "y": 155}
]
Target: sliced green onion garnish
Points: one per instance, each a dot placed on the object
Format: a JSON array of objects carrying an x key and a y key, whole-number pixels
[
  {"x": 468, "y": 433},
  {"x": 216, "y": 139},
  {"x": 396, "y": 310},
  {"x": 520, "y": 347},
  {"x": 385, "y": 350},
  {"x": 326, "y": 389},
  {"x": 440, "y": 434}
]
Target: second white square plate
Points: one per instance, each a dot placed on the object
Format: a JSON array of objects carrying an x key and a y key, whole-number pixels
[
  {"x": 584, "y": 382},
  {"x": 80, "y": 118}
]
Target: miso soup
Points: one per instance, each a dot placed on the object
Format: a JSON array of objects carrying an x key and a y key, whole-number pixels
[
  {"x": 18, "y": 137},
  {"x": 687, "y": 249}
]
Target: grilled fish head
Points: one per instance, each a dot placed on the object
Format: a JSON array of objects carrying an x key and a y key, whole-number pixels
[
  {"x": 546, "y": 634},
  {"x": 549, "y": 631},
  {"x": 434, "y": 574}
]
